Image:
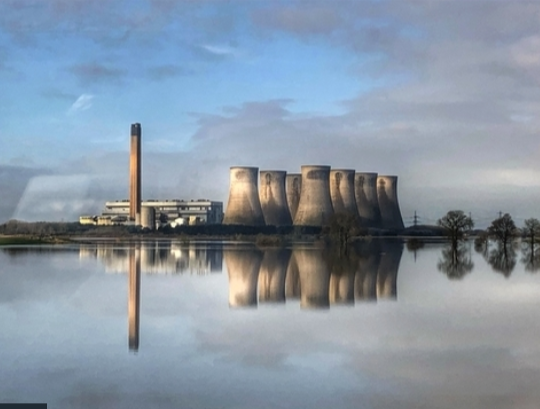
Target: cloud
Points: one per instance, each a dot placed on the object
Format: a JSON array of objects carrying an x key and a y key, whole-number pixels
[
  {"x": 167, "y": 71},
  {"x": 83, "y": 103},
  {"x": 91, "y": 73}
]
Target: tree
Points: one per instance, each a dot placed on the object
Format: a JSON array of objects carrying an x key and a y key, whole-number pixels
[
  {"x": 457, "y": 224},
  {"x": 341, "y": 227},
  {"x": 503, "y": 230}
]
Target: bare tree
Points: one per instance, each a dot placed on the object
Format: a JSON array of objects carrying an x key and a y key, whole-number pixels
[
  {"x": 456, "y": 224},
  {"x": 503, "y": 230}
]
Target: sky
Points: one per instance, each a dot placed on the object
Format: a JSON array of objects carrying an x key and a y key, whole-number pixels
[{"x": 444, "y": 94}]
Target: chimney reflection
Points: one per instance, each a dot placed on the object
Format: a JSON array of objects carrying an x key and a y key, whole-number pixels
[
  {"x": 243, "y": 267},
  {"x": 272, "y": 275},
  {"x": 314, "y": 278},
  {"x": 134, "y": 298}
]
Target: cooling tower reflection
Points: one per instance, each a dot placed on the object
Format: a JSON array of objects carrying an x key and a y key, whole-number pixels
[
  {"x": 243, "y": 267},
  {"x": 272, "y": 275}
]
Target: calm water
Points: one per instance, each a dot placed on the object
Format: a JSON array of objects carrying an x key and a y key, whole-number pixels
[{"x": 166, "y": 324}]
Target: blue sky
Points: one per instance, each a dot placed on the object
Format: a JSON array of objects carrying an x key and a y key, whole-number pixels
[{"x": 444, "y": 94}]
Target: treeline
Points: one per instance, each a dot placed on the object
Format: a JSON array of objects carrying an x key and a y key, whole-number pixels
[{"x": 44, "y": 229}]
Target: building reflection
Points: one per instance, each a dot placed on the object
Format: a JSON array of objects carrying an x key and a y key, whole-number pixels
[
  {"x": 159, "y": 257},
  {"x": 134, "y": 298}
]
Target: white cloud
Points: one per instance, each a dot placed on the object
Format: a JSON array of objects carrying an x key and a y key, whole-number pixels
[{"x": 83, "y": 103}]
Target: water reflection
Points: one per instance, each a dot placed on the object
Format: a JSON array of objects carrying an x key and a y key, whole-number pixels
[
  {"x": 530, "y": 257},
  {"x": 243, "y": 267},
  {"x": 502, "y": 259},
  {"x": 159, "y": 257},
  {"x": 134, "y": 298},
  {"x": 318, "y": 276},
  {"x": 272, "y": 275},
  {"x": 456, "y": 261}
]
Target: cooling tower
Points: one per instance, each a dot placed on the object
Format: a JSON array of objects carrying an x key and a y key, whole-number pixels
[
  {"x": 243, "y": 268},
  {"x": 135, "y": 174},
  {"x": 388, "y": 269},
  {"x": 365, "y": 190},
  {"x": 272, "y": 275},
  {"x": 273, "y": 198},
  {"x": 134, "y": 298},
  {"x": 293, "y": 185},
  {"x": 314, "y": 278},
  {"x": 244, "y": 206},
  {"x": 148, "y": 217},
  {"x": 342, "y": 191},
  {"x": 315, "y": 206},
  {"x": 365, "y": 281},
  {"x": 388, "y": 203}
]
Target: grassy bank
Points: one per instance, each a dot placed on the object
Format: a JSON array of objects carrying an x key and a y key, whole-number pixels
[{"x": 27, "y": 240}]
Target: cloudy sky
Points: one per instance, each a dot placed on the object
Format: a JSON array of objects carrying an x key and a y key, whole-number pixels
[{"x": 445, "y": 94}]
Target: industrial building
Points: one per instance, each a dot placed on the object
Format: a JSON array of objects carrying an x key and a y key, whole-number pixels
[{"x": 175, "y": 211}]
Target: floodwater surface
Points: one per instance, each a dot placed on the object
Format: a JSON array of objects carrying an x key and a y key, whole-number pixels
[{"x": 223, "y": 325}]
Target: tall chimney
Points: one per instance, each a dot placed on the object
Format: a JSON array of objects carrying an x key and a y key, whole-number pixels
[{"x": 135, "y": 174}]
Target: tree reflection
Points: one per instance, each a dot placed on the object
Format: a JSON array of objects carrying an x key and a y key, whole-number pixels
[
  {"x": 530, "y": 257},
  {"x": 456, "y": 261},
  {"x": 502, "y": 259}
]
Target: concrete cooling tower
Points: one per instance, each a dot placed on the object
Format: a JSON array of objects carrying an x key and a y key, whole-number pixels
[
  {"x": 272, "y": 275},
  {"x": 293, "y": 185},
  {"x": 244, "y": 206},
  {"x": 315, "y": 206},
  {"x": 342, "y": 191},
  {"x": 314, "y": 278},
  {"x": 388, "y": 203},
  {"x": 243, "y": 268},
  {"x": 367, "y": 202},
  {"x": 273, "y": 198}
]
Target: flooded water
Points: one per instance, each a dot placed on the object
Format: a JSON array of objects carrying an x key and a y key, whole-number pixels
[{"x": 223, "y": 325}]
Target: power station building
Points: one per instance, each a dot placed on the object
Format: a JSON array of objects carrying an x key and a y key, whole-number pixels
[{"x": 199, "y": 211}]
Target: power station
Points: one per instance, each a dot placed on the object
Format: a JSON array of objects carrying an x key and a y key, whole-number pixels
[{"x": 265, "y": 198}]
